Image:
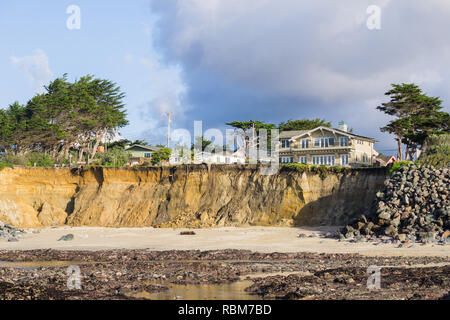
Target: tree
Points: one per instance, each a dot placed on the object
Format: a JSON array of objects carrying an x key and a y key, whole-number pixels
[
  {"x": 201, "y": 141},
  {"x": 119, "y": 144},
  {"x": 115, "y": 157},
  {"x": 303, "y": 124},
  {"x": 67, "y": 115},
  {"x": 162, "y": 154},
  {"x": 252, "y": 124},
  {"x": 246, "y": 125},
  {"x": 140, "y": 142},
  {"x": 417, "y": 117}
]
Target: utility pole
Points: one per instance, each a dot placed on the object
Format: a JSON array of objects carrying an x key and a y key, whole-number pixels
[{"x": 169, "y": 121}]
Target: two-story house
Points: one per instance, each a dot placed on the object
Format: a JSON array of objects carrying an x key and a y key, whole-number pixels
[{"x": 327, "y": 146}]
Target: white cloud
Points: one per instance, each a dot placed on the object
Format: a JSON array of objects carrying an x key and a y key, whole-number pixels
[{"x": 36, "y": 68}]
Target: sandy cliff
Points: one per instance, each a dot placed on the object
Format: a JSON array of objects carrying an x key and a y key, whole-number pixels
[{"x": 185, "y": 196}]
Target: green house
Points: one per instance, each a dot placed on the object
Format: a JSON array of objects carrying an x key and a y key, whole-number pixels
[{"x": 138, "y": 151}]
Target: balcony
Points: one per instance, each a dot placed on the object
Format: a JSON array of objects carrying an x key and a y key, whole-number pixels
[{"x": 316, "y": 149}]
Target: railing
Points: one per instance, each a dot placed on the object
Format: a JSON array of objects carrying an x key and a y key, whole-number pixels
[{"x": 290, "y": 149}]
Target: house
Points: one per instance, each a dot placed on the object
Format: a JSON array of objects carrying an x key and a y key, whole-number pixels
[
  {"x": 383, "y": 161},
  {"x": 140, "y": 154},
  {"x": 212, "y": 158},
  {"x": 327, "y": 146},
  {"x": 221, "y": 158}
]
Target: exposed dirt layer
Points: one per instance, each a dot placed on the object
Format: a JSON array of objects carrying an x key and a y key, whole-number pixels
[{"x": 121, "y": 274}]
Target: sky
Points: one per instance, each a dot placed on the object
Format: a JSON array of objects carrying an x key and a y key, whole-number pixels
[{"x": 223, "y": 60}]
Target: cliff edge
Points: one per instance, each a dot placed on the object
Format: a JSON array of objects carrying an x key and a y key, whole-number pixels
[{"x": 185, "y": 196}]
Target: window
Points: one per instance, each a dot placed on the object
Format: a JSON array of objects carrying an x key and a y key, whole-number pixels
[
  {"x": 287, "y": 159},
  {"x": 324, "y": 160},
  {"x": 365, "y": 158},
  {"x": 323, "y": 142},
  {"x": 303, "y": 160},
  {"x": 317, "y": 142},
  {"x": 285, "y": 143},
  {"x": 331, "y": 141},
  {"x": 147, "y": 155},
  {"x": 344, "y": 159},
  {"x": 343, "y": 141},
  {"x": 305, "y": 143}
]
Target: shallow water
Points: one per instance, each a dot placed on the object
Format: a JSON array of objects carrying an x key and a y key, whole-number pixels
[
  {"x": 34, "y": 265},
  {"x": 228, "y": 291}
]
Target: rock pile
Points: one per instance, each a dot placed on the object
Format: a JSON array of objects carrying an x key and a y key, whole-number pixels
[
  {"x": 9, "y": 232},
  {"x": 413, "y": 206}
]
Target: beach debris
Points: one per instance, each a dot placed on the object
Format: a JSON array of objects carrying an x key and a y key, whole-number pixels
[{"x": 187, "y": 233}]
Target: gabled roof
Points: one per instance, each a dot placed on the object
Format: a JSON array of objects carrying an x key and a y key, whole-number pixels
[
  {"x": 292, "y": 133},
  {"x": 149, "y": 148},
  {"x": 345, "y": 133}
]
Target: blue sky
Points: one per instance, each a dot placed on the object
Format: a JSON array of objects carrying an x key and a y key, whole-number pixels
[{"x": 219, "y": 61}]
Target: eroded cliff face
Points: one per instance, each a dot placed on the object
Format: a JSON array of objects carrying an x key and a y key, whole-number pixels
[{"x": 184, "y": 196}]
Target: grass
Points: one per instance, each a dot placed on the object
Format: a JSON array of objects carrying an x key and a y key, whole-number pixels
[{"x": 4, "y": 165}]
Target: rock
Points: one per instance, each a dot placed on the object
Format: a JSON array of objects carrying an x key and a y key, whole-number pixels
[
  {"x": 415, "y": 200},
  {"x": 67, "y": 237},
  {"x": 302, "y": 235},
  {"x": 187, "y": 233},
  {"x": 13, "y": 240},
  {"x": 384, "y": 215},
  {"x": 390, "y": 231}
]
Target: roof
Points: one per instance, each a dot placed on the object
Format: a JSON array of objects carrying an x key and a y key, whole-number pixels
[
  {"x": 355, "y": 135},
  {"x": 292, "y": 133},
  {"x": 299, "y": 133},
  {"x": 384, "y": 158},
  {"x": 149, "y": 148}
]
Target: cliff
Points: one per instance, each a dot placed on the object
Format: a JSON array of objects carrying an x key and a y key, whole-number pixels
[{"x": 184, "y": 196}]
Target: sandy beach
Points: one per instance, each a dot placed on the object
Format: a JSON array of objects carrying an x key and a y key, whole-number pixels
[{"x": 258, "y": 239}]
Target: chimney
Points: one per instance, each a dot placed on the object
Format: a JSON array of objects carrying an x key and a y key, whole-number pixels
[{"x": 343, "y": 126}]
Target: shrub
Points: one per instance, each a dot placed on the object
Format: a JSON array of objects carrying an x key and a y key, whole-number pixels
[
  {"x": 116, "y": 157},
  {"x": 436, "y": 151},
  {"x": 14, "y": 159},
  {"x": 299, "y": 167},
  {"x": 39, "y": 159},
  {"x": 321, "y": 170},
  {"x": 399, "y": 164},
  {"x": 160, "y": 155},
  {"x": 4, "y": 165}
]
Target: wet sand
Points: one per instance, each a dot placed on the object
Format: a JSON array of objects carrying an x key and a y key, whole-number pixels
[{"x": 257, "y": 239}]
